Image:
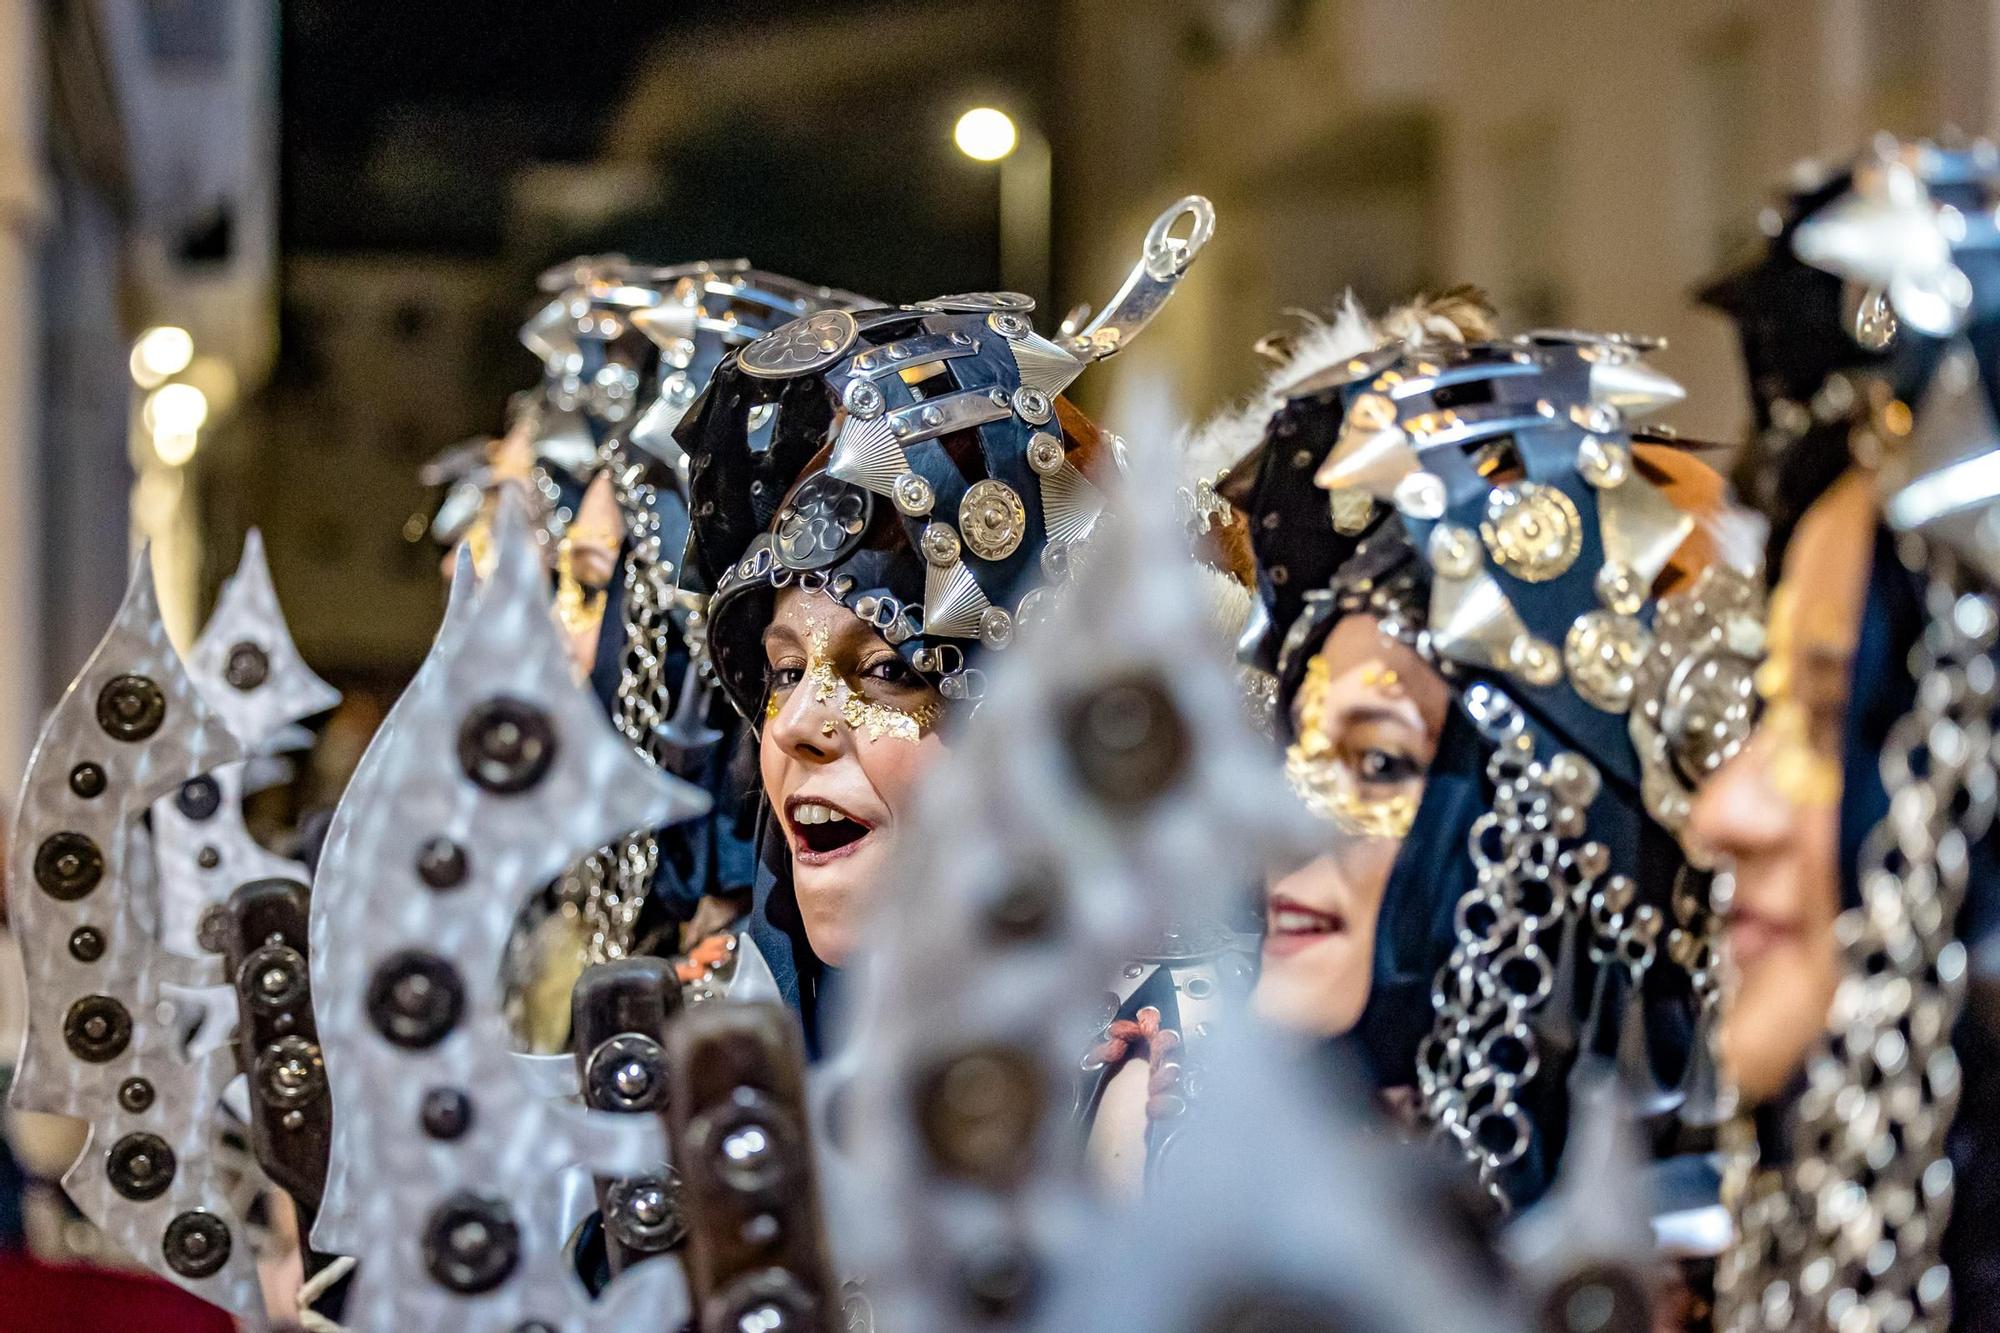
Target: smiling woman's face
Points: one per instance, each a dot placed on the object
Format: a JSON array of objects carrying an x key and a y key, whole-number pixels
[
  {"x": 1367, "y": 719},
  {"x": 848, "y": 730},
  {"x": 1773, "y": 812}
]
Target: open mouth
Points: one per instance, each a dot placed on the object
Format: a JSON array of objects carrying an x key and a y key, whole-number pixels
[
  {"x": 1291, "y": 925},
  {"x": 822, "y": 831}
]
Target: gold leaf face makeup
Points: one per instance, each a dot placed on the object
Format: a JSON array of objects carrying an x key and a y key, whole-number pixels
[
  {"x": 849, "y": 701},
  {"x": 1351, "y": 766},
  {"x": 1804, "y": 685}
]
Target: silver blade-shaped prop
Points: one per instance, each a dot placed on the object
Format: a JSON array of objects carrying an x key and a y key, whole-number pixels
[{"x": 499, "y": 772}]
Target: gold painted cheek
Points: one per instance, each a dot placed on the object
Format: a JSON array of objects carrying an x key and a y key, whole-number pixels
[{"x": 1331, "y": 793}]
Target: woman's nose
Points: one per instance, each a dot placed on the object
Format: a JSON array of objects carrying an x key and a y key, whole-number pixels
[
  {"x": 1739, "y": 810},
  {"x": 806, "y": 728}
]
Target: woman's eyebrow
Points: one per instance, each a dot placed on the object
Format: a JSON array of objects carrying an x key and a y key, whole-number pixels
[{"x": 1354, "y": 713}]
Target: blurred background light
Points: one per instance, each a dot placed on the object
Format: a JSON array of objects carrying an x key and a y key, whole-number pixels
[
  {"x": 160, "y": 353},
  {"x": 985, "y": 134},
  {"x": 175, "y": 409},
  {"x": 176, "y": 447}
]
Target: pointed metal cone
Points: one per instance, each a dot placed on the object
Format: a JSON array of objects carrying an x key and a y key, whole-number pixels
[
  {"x": 868, "y": 456},
  {"x": 548, "y": 332},
  {"x": 455, "y": 514},
  {"x": 1043, "y": 364},
  {"x": 1595, "y": 1218},
  {"x": 654, "y": 433},
  {"x": 565, "y": 440},
  {"x": 1371, "y": 461},
  {"x": 1070, "y": 504},
  {"x": 665, "y": 324},
  {"x": 1702, "y": 1100},
  {"x": 459, "y": 593},
  {"x": 1473, "y": 622},
  {"x": 1640, "y": 527},
  {"x": 953, "y": 601},
  {"x": 753, "y": 981},
  {"x": 1648, "y": 1098},
  {"x": 1633, "y": 387}
]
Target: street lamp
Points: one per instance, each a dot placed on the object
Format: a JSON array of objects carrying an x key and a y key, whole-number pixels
[{"x": 987, "y": 134}]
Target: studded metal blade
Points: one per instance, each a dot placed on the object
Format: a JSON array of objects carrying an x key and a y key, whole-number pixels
[
  {"x": 498, "y": 755},
  {"x": 93, "y": 774},
  {"x": 1054, "y": 857},
  {"x": 247, "y": 668},
  {"x": 333, "y": 1230}
]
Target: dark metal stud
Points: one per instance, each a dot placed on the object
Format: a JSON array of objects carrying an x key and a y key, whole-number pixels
[
  {"x": 290, "y": 1072},
  {"x": 626, "y": 1073},
  {"x": 87, "y": 780},
  {"x": 644, "y": 1212},
  {"x": 274, "y": 978},
  {"x": 980, "y": 1111},
  {"x": 140, "y": 1166},
  {"x": 199, "y": 798},
  {"x": 447, "y": 1113},
  {"x": 130, "y": 708},
  {"x": 1601, "y": 1298},
  {"x": 68, "y": 865},
  {"x": 197, "y": 1244},
  {"x": 208, "y": 858},
  {"x": 441, "y": 863},
  {"x": 415, "y": 999},
  {"x": 86, "y": 944},
  {"x": 97, "y": 1028},
  {"x": 1000, "y": 1280},
  {"x": 1025, "y": 910},
  {"x": 135, "y": 1095},
  {"x": 471, "y": 1243},
  {"x": 1127, "y": 741},
  {"x": 212, "y": 931},
  {"x": 506, "y": 745},
  {"x": 247, "y": 667}
]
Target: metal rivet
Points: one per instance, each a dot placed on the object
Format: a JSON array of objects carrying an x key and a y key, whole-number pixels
[
  {"x": 644, "y": 1212},
  {"x": 471, "y": 1243},
  {"x": 197, "y": 1244},
  {"x": 446, "y": 1113},
  {"x": 627, "y": 1072},
  {"x": 68, "y": 866},
  {"x": 208, "y": 858},
  {"x": 140, "y": 1166},
  {"x": 506, "y": 745},
  {"x": 291, "y": 1072},
  {"x": 130, "y": 708},
  {"x": 980, "y": 1112},
  {"x": 97, "y": 1028},
  {"x": 415, "y": 999},
  {"x": 1127, "y": 741},
  {"x": 87, "y": 780},
  {"x": 441, "y": 863},
  {"x": 199, "y": 798},
  {"x": 86, "y": 944},
  {"x": 273, "y": 978}
]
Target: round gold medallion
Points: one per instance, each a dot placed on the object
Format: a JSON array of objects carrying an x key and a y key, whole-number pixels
[
  {"x": 1533, "y": 531},
  {"x": 1602, "y": 652},
  {"x": 992, "y": 520}
]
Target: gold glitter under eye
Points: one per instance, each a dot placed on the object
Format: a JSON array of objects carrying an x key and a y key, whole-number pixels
[
  {"x": 1803, "y": 767},
  {"x": 1323, "y": 782},
  {"x": 866, "y": 716}
]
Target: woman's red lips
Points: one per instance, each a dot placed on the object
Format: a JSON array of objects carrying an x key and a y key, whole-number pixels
[
  {"x": 821, "y": 830},
  {"x": 1291, "y": 926}
]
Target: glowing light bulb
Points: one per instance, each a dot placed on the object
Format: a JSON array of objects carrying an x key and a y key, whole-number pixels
[
  {"x": 985, "y": 134},
  {"x": 161, "y": 352}
]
